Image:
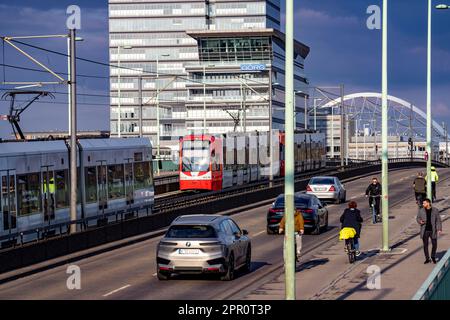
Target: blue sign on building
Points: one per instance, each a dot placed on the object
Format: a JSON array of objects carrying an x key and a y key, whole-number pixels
[{"x": 253, "y": 67}]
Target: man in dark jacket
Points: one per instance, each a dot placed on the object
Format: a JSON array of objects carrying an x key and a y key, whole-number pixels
[
  {"x": 351, "y": 218},
  {"x": 430, "y": 227},
  {"x": 373, "y": 191},
  {"x": 420, "y": 188}
]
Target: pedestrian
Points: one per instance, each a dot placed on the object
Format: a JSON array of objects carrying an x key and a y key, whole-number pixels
[
  {"x": 426, "y": 156},
  {"x": 351, "y": 218},
  {"x": 434, "y": 180},
  {"x": 420, "y": 188},
  {"x": 299, "y": 230},
  {"x": 430, "y": 227}
]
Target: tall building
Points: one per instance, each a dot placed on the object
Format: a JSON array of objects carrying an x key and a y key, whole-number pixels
[{"x": 216, "y": 60}]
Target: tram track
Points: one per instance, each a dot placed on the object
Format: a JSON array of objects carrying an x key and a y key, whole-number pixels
[
  {"x": 185, "y": 199},
  {"x": 188, "y": 198}
]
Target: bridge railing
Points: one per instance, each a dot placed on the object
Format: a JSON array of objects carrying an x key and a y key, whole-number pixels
[
  {"x": 437, "y": 285},
  {"x": 48, "y": 231}
]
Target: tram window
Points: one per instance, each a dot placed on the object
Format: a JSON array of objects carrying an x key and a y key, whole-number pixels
[
  {"x": 62, "y": 189},
  {"x": 116, "y": 182},
  {"x": 28, "y": 193},
  {"x": 142, "y": 178},
  {"x": 8, "y": 207},
  {"x": 138, "y": 156},
  {"x": 91, "y": 184}
]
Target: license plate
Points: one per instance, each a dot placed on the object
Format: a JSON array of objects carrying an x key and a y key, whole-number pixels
[
  {"x": 188, "y": 251},
  {"x": 321, "y": 189}
]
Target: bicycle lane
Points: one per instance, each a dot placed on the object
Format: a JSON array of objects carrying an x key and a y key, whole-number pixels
[{"x": 326, "y": 273}]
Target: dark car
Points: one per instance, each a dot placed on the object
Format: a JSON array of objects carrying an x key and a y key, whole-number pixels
[{"x": 315, "y": 213}]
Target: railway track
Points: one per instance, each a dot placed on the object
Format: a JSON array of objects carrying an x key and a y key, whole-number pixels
[{"x": 187, "y": 199}]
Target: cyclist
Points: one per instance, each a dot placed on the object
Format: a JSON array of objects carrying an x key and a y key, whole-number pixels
[
  {"x": 434, "y": 179},
  {"x": 420, "y": 188},
  {"x": 299, "y": 231},
  {"x": 351, "y": 218},
  {"x": 373, "y": 191}
]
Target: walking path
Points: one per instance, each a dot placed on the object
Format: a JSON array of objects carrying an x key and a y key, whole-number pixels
[{"x": 327, "y": 275}]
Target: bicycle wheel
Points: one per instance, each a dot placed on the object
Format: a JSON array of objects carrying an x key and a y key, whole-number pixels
[{"x": 352, "y": 252}]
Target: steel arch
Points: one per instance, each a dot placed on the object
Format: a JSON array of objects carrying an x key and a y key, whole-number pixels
[{"x": 367, "y": 95}]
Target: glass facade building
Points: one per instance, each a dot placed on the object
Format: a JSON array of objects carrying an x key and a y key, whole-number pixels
[{"x": 175, "y": 46}]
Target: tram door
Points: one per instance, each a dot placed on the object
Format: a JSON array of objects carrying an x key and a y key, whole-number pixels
[
  {"x": 129, "y": 186},
  {"x": 8, "y": 200},
  {"x": 102, "y": 183},
  {"x": 48, "y": 193}
]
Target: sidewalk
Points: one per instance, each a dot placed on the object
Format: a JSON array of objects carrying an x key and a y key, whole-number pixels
[{"x": 327, "y": 275}]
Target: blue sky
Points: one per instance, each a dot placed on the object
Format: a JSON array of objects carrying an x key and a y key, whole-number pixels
[{"x": 343, "y": 50}]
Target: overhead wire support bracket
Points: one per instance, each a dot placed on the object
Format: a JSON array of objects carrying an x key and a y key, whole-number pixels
[{"x": 9, "y": 40}]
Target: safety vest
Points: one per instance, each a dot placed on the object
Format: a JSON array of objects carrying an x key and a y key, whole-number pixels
[
  {"x": 434, "y": 176},
  {"x": 51, "y": 185}
]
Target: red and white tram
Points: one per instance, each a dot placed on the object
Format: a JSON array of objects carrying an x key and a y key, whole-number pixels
[{"x": 209, "y": 162}]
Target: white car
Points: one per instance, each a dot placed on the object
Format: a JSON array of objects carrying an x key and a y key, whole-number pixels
[{"x": 327, "y": 188}]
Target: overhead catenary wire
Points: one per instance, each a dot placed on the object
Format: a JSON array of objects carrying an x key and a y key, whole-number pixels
[
  {"x": 43, "y": 71},
  {"x": 182, "y": 77}
]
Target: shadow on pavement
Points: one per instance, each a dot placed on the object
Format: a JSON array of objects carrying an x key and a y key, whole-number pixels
[
  {"x": 311, "y": 264},
  {"x": 215, "y": 277}
]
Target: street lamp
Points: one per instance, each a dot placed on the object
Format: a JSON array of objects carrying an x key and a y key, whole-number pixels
[
  {"x": 429, "y": 119},
  {"x": 204, "y": 95},
  {"x": 306, "y": 96},
  {"x": 118, "y": 87},
  {"x": 315, "y": 112},
  {"x": 157, "y": 110}
]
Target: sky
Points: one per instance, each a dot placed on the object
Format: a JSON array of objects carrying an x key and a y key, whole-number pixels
[{"x": 343, "y": 51}]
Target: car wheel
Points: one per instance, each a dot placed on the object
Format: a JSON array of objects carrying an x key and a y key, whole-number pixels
[
  {"x": 345, "y": 197},
  {"x": 270, "y": 231},
  {"x": 248, "y": 259},
  {"x": 337, "y": 201},
  {"x": 229, "y": 275},
  {"x": 162, "y": 276}
]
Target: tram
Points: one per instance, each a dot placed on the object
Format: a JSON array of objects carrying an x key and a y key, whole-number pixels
[
  {"x": 210, "y": 162},
  {"x": 113, "y": 174}
]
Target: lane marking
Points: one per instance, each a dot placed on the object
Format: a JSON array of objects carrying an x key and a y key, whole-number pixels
[
  {"x": 259, "y": 233},
  {"x": 154, "y": 274},
  {"x": 117, "y": 290}
]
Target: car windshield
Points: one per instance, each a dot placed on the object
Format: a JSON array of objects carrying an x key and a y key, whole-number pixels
[
  {"x": 191, "y": 232},
  {"x": 300, "y": 202},
  {"x": 322, "y": 181}
]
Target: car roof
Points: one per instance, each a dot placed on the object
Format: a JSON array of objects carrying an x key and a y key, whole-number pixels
[
  {"x": 199, "y": 219},
  {"x": 324, "y": 177}
]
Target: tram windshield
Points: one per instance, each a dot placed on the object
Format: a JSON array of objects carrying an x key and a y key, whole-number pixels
[
  {"x": 196, "y": 156},
  {"x": 195, "y": 164}
]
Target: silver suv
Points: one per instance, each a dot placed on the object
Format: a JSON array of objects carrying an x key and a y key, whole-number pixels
[{"x": 198, "y": 244}]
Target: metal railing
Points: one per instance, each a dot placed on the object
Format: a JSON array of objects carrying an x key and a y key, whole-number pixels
[
  {"x": 49, "y": 231},
  {"x": 437, "y": 285}
]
